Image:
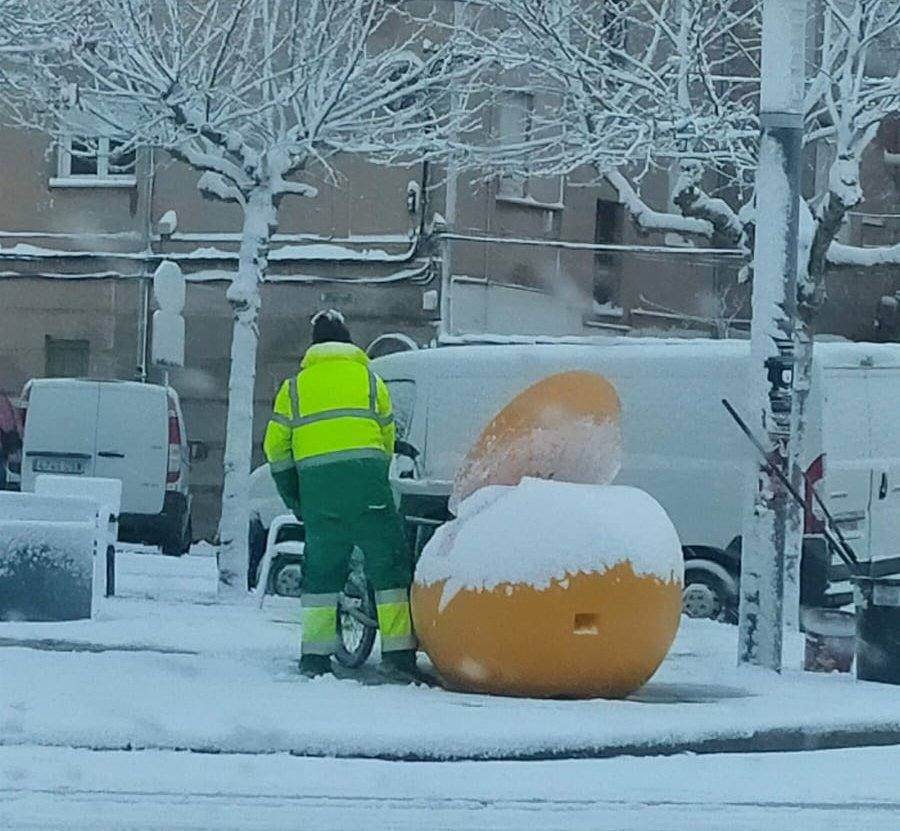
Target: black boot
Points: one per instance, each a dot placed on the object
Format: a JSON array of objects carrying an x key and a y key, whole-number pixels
[
  {"x": 400, "y": 666},
  {"x": 312, "y": 666}
]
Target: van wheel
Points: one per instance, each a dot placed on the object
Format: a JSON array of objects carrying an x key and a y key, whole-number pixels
[
  {"x": 710, "y": 592},
  {"x": 177, "y": 540},
  {"x": 171, "y": 548},
  {"x": 188, "y": 538}
]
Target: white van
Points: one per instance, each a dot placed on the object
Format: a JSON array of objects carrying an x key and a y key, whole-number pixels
[
  {"x": 119, "y": 430},
  {"x": 680, "y": 444}
]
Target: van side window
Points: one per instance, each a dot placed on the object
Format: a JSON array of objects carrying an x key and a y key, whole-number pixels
[
  {"x": 66, "y": 358},
  {"x": 403, "y": 397}
]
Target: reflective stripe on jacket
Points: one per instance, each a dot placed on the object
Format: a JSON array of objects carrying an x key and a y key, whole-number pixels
[{"x": 334, "y": 408}]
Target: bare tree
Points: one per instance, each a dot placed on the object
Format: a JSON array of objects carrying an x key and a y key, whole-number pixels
[
  {"x": 636, "y": 85},
  {"x": 252, "y": 93},
  {"x": 644, "y": 85}
]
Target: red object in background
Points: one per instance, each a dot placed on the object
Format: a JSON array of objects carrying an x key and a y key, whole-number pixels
[
  {"x": 10, "y": 417},
  {"x": 174, "y": 472},
  {"x": 10, "y": 421},
  {"x": 11, "y": 432},
  {"x": 812, "y": 524}
]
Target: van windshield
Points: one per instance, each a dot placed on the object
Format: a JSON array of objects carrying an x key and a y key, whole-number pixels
[{"x": 403, "y": 397}]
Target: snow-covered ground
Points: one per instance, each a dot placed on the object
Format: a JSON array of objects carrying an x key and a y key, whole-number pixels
[
  {"x": 166, "y": 668},
  {"x": 841, "y": 790},
  {"x": 98, "y": 718}
]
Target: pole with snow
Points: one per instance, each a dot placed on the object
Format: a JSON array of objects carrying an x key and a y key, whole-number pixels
[{"x": 772, "y": 532}]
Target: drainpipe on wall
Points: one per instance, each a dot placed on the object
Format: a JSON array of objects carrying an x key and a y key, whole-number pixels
[
  {"x": 445, "y": 326},
  {"x": 144, "y": 281}
]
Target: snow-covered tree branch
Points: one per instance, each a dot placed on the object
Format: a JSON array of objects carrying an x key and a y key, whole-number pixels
[
  {"x": 636, "y": 85},
  {"x": 849, "y": 97},
  {"x": 30, "y": 26},
  {"x": 673, "y": 85},
  {"x": 252, "y": 94}
]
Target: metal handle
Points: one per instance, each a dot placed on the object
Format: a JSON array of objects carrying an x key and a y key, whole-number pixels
[
  {"x": 111, "y": 454},
  {"x": 52, "y": 454},
  {"x": 883, "y": 490}
]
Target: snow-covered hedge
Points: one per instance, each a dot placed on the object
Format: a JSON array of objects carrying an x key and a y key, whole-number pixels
[{"x": 46, "y": 569}]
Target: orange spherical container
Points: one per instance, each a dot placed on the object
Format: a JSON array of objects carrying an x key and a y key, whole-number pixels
[
  {"x": 565, "y": 427},
  {"x": 550, "y": 589}
]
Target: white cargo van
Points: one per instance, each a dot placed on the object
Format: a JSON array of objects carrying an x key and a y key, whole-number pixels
[
  {"x": 119, "y": 430},
  {"x": 680, "y": 445}
]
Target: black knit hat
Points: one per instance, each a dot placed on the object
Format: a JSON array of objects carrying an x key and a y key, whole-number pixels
[{"x": 329, "y": 326}]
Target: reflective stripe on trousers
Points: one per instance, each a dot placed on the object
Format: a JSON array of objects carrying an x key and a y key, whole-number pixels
[
  {"x": 319, "y": 635},
  {"x": 395, "y": 620}
]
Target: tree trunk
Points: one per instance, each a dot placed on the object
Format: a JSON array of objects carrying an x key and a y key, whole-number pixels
[
  {"x": 817, "y": 235},
  {"x": 244, "y": 297}
]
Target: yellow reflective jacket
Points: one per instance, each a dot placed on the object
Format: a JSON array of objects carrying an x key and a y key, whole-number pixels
[{"x": 334, "y": 408}]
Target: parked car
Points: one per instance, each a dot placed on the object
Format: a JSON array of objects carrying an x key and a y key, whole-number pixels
[
  {"x": 121, "y": 430},
  {"x": 10, "y": 444}
]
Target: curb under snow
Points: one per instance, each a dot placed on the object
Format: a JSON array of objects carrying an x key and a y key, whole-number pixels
[{"x": 778, "y": 740}]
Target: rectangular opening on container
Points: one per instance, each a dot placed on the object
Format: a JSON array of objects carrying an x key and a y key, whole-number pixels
[{"x": 586, "y": 624}]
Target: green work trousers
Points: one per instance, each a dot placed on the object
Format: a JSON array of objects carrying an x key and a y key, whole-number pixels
[{"x": 344, "y": 504}]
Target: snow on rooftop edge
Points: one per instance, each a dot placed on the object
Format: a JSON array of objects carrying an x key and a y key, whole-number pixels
[{"x": 835, "y": 353}]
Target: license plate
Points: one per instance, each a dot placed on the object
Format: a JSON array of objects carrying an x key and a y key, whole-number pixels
[{"x": 71, "y": 466}]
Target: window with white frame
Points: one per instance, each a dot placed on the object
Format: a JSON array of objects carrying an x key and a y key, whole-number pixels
[
  {"x": 515, "y": 124},
  {"x": 94, "y": 161},
  {"x": 514, "y": 117}
]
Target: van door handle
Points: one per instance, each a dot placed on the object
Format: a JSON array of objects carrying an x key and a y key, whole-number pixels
[
  {"x": 111, "y": 454},
  {"x": 883, "y": 490}
]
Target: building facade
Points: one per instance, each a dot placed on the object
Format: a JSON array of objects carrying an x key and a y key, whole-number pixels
[{"x": 399, "y": 250}]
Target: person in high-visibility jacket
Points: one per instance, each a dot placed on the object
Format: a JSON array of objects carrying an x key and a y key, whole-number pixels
[{"x": 329, "y": 444}]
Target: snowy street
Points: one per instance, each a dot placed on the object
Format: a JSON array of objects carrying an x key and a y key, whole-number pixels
[
  {"x": 165, "y": 669},
  {"x": 842, "y": 790}
]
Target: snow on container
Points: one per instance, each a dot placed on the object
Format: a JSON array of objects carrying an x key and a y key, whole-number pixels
[
  {"x": 46, "y": 557},
  {"x": 564, "y": 427},
  {"x": 550, "y": 589}
]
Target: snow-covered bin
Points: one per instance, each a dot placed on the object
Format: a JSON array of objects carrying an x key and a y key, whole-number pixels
[
  {"x": 47, "y": 547},
  {"x": 550, "y": 589}
]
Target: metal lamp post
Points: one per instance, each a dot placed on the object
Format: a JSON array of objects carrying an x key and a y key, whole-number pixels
[{"x": 772, "y": 532}]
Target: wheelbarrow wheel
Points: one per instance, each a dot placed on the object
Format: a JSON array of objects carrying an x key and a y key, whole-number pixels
[{"x": 357, "y": 622}]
